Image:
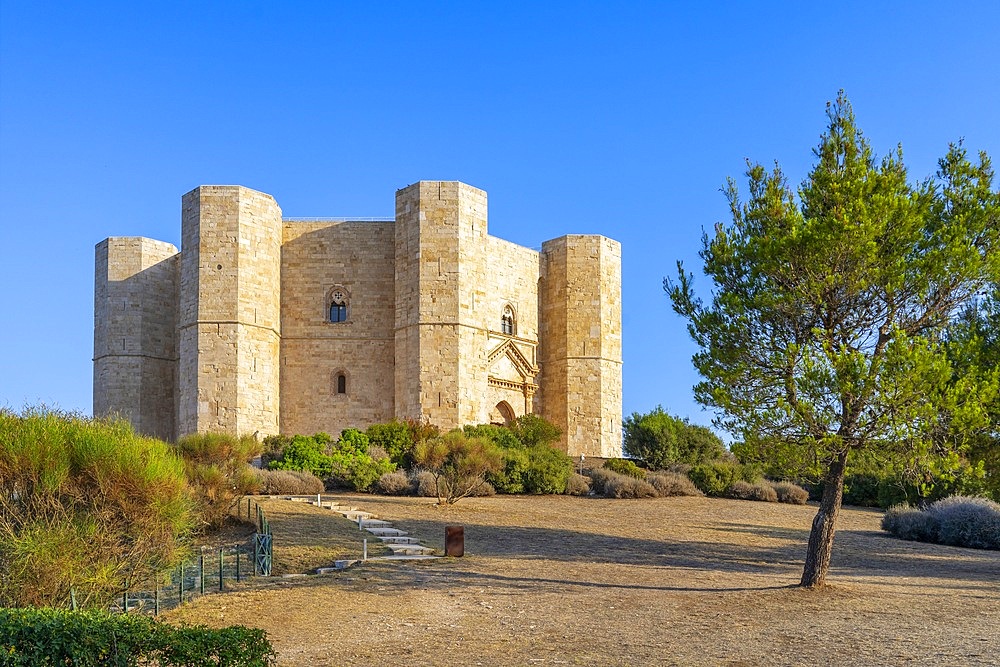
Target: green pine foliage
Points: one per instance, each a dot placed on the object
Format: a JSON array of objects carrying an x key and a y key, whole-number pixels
[{"x": 825, "y": 328}]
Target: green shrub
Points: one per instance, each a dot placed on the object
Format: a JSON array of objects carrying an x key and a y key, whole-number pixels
[
  {"x": 394, "y": 483},
  {"x": 87, "y": 504},
  {"x": 660, "y": 440},
  {"x": 513, "y": 469},
  {"x": 790, "y": 493},
  {"x": 956, "y": 521},
  {"x": 348, "y": 463},
  {"x": 761, "y": 491},
  {"x": 288, "y": 482},
  {"x": 501, "y": 436},
  {"x": 396, "y": 438},
  {"x": 216, "y": 464},
  {"x": 625, "y": 467},
  {"x": 577, "y": 485},
  {"x": 672, "y": 484},
  {"x": 304, "y": 453},
  {"x": 714, "y": 478},
  {"x": 533, "y": 430},
  {"x": 356, "y": 470},
  {"x": 624, "y": 486},
  {"x": 32, "y": 637},
  {"x": 548, "y": 470}
]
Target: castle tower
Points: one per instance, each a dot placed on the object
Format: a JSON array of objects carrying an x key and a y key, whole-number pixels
[
  {"x": 135, "y": 319},
  {"x": 229, "y": 319},
  {"x": 440, "y": 369},
  {"x": 580, "y": 348}
]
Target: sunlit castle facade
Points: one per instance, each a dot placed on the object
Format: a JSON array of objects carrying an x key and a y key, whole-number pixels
[{"x": 263, "y": 324}]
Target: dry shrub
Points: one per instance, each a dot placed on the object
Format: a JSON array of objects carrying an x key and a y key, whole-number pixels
[
  {"x": 599, "y": 478},
  {"x": 577, "y": 485},
  {"x": 288, "y": 482},
  {"x": 909, "y": 523},
  {"x": 623, "y": 486},
  {"x": 793, "y": 494},
  {"x": 422, "y": 483},
  {"x": 459, "y": 464},
  {"x": 394, "y": 484},
  {"x": 741, "y": 490},
  {"x": 483, "y": 490},
  {"x": 672, "y": 484},
  {"x": 216, "y": 465},
  {"x": 967, "y": 522},
  {"x": 377, "y": 453},
  {"x": 959, "y": 521}
]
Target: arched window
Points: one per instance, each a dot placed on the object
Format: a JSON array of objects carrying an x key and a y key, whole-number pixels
[
  {"x": 507, "y": 321},
  {"x": 338, "y": 302},
  {"x": 341, "y": 383}
]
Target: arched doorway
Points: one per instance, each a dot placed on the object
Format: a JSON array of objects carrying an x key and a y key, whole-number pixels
[{"x": 502, "y": 414}]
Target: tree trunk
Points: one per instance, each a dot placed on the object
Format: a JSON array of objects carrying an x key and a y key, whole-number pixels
[{"x": 824, "y": 525}]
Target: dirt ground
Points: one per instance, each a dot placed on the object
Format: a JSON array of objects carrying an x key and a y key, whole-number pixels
[{"x": 558, "y": 580}]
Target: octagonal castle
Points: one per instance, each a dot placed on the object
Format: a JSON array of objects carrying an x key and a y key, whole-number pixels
[{"x": 268, "y": 325}]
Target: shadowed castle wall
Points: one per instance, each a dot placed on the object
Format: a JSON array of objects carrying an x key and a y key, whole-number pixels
[
  {"x": 359, "y": 259},
  {"x": 135, "y": 324}
]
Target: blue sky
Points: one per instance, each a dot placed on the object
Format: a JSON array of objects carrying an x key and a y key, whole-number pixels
[{"x": 622, "y": 119}]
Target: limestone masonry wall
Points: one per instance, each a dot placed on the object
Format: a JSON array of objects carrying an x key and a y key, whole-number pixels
[
  {"x": 316, "y": 259},
  {"x": 261, "y": 325},
  {"x": 135, "y": 322}
]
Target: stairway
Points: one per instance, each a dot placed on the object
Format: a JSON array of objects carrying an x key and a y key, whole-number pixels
[{"x": 402, "y": 546}]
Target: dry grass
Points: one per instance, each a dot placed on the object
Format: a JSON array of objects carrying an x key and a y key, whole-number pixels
[
  {"x": 669, "y": 581},
  {"x": 307, "y": 537}
]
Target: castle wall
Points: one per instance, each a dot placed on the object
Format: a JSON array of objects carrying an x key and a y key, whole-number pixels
[
  {"x": 435, "y": 223},
  {"x": 135, "y": 319},
  {"x": 580, "y": 346},
  {"x": 316, "y": 258},
  {"x": 230, "y": 312},
  {"x": 508, "y": 276},
  {"x": 452, "y": 283},
  {"x": 234, "y": 334}
]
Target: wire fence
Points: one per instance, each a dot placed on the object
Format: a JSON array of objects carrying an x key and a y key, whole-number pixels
[{"x": 208, "y": 571}]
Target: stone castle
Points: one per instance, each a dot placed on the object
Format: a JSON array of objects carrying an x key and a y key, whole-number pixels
[{"x": 268, "y": 325}]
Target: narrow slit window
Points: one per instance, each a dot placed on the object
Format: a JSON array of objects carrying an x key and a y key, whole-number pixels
[{"x": 341, "y": 383}]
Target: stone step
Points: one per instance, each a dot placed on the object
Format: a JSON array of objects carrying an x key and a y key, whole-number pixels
[
  {"x": 397, "y": 539},
  {"x": 409, "y": 549},
  {"x": 355, "y": 515},
  {"x": 375, "y": 523},
  {"x": 387, "y": 532}
]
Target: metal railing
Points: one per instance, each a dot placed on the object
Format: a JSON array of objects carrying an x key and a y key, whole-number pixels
[{"x": 208, "y": 571}]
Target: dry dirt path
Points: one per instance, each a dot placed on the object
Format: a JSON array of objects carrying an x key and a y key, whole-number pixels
[{"x": 672, "y": 581}]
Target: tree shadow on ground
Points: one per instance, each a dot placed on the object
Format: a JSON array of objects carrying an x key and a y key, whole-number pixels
[{"x": 857, "y": 553}]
